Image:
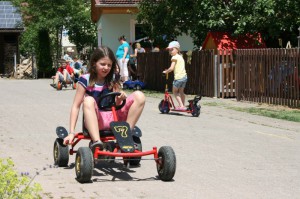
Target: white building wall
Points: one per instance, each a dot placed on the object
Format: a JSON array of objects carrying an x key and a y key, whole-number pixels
[{"x": 112, "y": 27}]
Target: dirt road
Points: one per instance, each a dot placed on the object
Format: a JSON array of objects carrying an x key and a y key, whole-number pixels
[{"x": 221, "y": 154}]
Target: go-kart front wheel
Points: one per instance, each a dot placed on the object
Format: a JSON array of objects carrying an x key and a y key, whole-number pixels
[
  {"x": 84, "y": 164},
  {"x": 164, "y": 106},
  {"x": 59, "y": 86},
  {"x": 166, "y": 167},
  {"x": 74, "y": 85},
  {"x": 135, "y": 161},
  {"x": 60, "y": 153}
]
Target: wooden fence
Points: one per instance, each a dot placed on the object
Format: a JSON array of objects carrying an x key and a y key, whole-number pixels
[
  {"x": 200, "y": 71},
  {"x": 259, "y": 75},
  {"x": 268, "y": 76}
]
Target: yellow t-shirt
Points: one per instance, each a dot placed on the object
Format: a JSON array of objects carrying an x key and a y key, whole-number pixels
[{"x": 179, "y": 69}]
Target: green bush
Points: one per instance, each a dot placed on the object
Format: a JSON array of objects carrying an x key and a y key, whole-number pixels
[{"x": 13, "y": 185}]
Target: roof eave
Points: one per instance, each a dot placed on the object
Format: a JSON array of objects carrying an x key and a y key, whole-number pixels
[
  {"x": 12, "y": 30},
  {"x": 116, "y": 5}
]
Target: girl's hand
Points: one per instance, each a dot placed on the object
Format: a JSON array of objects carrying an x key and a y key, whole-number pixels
[
  {"x": 121, "y": 97},
  {"x": 69, "y": 139}
]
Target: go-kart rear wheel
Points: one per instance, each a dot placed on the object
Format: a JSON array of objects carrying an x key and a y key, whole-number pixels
[
  {"x": 196, "y": 110},
  {"x": 60, "y": 153},
  {"x": 164, "y": 106},
  {"x": 135, "y": 161},
  {"x": 84, "y": 164},
  {"x": 167, "y": 164},
  {"x": 110, "y": 146}
]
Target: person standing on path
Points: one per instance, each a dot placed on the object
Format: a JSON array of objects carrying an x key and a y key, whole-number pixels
[
  {"x": 123, "y": 58},
  {"x": 180, "y": 75}
]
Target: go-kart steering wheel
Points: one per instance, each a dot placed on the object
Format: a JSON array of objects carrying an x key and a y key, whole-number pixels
[{"x": 111, "y": 102}]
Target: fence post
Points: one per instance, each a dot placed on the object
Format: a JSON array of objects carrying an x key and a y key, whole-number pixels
[{"x": 216, "y": 68}]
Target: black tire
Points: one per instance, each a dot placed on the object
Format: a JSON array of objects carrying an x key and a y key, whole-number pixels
[
  {"x": 138, "y": 87},
  {"x": 84, "y": 164},
  {"x": 135, "y": 161},
  {"x": 125, "y": 86},
  {"x": 110, "y": 146},
  {"x": 60, "y": 153},
  {"x": 164, "y": 106},
  {"x": 74, "y": 85},
  {"x": 196, "y": 110},
  {"x": 167, "y": 167},
  {"x": 59, "y": 86}
]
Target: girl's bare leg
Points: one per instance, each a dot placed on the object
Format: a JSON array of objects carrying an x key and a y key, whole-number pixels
[
  {"x": 182, "y": 95},
  {"x": 177, "y": 96},
  {"x": 65, "y": 75},
  {"x": 90, "y": 118},
  {"x": 136, "y": 108}
]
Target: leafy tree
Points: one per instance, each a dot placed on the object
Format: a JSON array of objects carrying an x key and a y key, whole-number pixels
[
  {"x": 273, "y": 18},
  {"x": 48, "y": 18},
  {"x": 82, "y": 31}
]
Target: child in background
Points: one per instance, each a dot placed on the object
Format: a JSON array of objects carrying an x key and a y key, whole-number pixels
[
  {"x": 65, "y": 73},
  {"x": 91, "y": 86},
  {"x": 180, "y": 75}
]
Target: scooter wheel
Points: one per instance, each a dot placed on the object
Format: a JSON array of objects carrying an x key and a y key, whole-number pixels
[
  {"x": 196, "y": 110},
  {"x": 164, "y": 106}
]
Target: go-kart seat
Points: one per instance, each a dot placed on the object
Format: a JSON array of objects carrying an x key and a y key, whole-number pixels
[{"x": 103, "y": 133}]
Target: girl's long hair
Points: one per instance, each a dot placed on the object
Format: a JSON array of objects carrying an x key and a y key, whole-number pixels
[{"x": 100, "y": 53}]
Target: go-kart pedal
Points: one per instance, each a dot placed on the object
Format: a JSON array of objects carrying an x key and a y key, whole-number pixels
[
  {"x": 61, "y": 132},
  {"x": 53, "y": 85},
  {"x": 64, "y": 83},
  {"x": 122, "y": 132}
]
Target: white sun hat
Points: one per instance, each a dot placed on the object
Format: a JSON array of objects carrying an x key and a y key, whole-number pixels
[{"x": 174, "y": 44}]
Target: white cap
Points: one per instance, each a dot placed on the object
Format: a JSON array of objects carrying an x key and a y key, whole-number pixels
[
  {"x": 69, "y": 49},
  {"x": 174, "y": 44}
]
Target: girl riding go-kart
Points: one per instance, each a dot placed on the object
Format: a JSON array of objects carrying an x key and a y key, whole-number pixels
[{"x": 109, "y": 119}]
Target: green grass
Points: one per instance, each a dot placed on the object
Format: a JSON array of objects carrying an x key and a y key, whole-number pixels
[
  {"x": 284, "y": 114},
  {"x": 288, "y": 114}
]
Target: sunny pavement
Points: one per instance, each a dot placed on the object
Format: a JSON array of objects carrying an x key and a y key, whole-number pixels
[{"x": 221, "y": 154}]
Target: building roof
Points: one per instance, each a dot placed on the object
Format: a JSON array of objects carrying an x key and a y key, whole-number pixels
[
  {"x": 99, "y": 7},
  {"x": 117, "y": 2},
  {"x": 223, "y": 40},
  {"x": 10, "y": 18}
]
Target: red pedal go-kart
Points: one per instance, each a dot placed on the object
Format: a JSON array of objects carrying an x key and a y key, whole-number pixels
[
  {"x": 167, "y": 104},
  {"x": 118, "y": 141}
]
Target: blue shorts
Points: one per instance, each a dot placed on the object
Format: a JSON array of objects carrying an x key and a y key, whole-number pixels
[{"x": 180, "y": 83}]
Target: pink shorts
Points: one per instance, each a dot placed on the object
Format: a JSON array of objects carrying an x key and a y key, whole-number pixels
[{"x": 105, "y": 117}]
